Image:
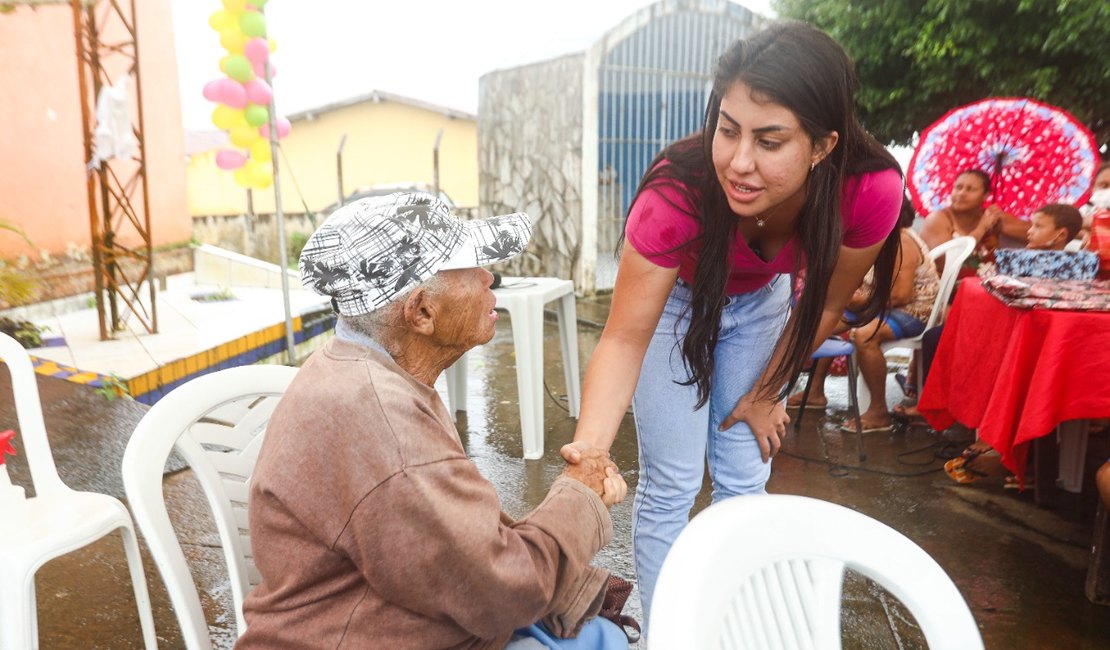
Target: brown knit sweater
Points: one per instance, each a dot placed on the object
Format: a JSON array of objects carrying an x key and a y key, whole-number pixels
[{"x": 372, "y": 529}]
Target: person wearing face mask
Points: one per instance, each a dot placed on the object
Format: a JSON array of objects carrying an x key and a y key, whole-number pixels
[
  {"x": 1099, "y": 203},
  {"x": 1100, "y": 195}
]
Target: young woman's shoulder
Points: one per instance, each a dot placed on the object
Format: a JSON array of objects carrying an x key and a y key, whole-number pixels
[
  {"x": 662, "y": 220},
  {"x": 882, "y": 182},
  {"x": 871, "y": 202}
]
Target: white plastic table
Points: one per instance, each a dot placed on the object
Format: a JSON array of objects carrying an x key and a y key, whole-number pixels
[{"x": 524, "y": 299}]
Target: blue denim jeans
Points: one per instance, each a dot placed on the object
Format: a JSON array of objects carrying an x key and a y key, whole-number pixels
[{"x": 676, "y": 440}]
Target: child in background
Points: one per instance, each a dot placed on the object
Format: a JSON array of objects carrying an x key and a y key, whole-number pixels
[{"x": 1053, "y": 226}]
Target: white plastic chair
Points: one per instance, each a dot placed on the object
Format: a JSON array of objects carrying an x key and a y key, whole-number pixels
[
  {"x": 524, "y": 299},
  {"x": 216, "y": 423},
  {"x": 54, "y": 522},
  {"x": 766, "y": 571},
  {"x": 955, "y": 251}
]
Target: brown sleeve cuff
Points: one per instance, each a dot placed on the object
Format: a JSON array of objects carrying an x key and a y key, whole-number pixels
[{"x": 568, "y": 623}]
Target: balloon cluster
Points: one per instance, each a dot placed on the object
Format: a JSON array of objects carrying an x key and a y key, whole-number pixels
[{"x": 243, "y": 96}]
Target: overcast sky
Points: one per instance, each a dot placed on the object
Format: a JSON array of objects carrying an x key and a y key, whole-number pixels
[{"x": 433, "y": 50}]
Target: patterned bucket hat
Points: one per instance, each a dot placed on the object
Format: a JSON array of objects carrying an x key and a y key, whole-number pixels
[{"x": 371, "y": 251}]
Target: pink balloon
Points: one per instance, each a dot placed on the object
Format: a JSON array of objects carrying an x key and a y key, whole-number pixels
[
  {"x": 229, "y": 160},
  {"x": 260, "y": 69},
  {"x": 211, "y": 90},
  {"x": 283, "y": 128},
  {"x": 258, "y": 92},
  {"x": 257, "y": 50},
  {"x": 232, "y": 93}
]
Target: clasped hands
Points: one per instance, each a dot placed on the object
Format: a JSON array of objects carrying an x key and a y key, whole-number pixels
[
  {"x": 593, "y": 467},
  {"x": 991, "y": 216}
]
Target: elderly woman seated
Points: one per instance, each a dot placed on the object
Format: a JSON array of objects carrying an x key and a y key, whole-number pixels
[
  {"x": 369, "y": 524},
  {"x": 911, "y": 299}
]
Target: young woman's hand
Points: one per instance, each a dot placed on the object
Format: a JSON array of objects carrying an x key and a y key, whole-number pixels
[
  {"x": 594, "y": 468},
  {"x": 572, "y": 451},
  {"x": 767, "y": 419}
]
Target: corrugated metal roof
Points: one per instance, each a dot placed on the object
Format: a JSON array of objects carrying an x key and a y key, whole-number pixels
[{"x": 381, "y": 96}]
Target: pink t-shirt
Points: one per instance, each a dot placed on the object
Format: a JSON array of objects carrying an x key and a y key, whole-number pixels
[{"x": 666, "y": 235}]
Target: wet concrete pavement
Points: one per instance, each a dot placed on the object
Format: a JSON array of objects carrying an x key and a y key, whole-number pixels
[{"x": 1020, "y": 567}]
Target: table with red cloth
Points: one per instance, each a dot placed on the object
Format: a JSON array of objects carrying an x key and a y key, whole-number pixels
[{"x": 1016, "y": 374}]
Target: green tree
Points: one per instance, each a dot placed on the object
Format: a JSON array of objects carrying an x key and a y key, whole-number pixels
[
  {"x": 918, "y": 59},
  {"x": 15, "y": 286}
]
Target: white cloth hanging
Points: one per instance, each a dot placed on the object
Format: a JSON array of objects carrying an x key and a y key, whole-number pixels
[{"x": 114, "y": 136}]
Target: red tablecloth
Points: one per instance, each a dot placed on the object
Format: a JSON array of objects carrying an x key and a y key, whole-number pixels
[{"x": 1015, "y": 374}]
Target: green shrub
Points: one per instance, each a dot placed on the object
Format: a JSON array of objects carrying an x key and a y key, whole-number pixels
[
  {"x": 296, "y": 244},
  {"x": 25, "y": 332}
]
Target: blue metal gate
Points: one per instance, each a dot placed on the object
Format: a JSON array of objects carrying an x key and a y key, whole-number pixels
[{"x": 653, "y": 87}]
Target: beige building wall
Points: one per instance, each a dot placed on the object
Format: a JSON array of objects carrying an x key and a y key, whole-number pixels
[
  {"x": 42, "y": 158},
  {"x": 388, "y": 142}
]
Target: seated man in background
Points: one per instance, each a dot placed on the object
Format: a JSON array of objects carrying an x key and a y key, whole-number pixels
[
  {"x": 911, "y": 300},
  {"x": 370, "y": 526}
]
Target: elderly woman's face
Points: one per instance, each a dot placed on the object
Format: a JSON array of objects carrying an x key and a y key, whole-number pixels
[{"x": 467, "y": 317}]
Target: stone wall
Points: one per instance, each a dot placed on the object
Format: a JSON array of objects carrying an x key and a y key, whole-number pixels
[
  {"x": 530, "y": 158},
  {"x": 257, "y": 237},
  {"x": 57, "y": 278}
]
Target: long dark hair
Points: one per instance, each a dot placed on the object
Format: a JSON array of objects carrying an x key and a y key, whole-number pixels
[{"x": 797, "y": 66}]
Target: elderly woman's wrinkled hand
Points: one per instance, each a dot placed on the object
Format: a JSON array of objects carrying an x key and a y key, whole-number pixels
[{"x": 594, "y": 468}]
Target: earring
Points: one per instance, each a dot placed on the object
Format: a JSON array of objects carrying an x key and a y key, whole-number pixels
[{"x": 812, "y": 165}]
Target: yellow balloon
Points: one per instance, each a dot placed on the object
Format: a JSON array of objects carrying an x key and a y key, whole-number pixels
[
  {"x": 243, "y": 136},
  {"x": 240, "y": 177},
  {"x": 223, "y": 63},
  {"x": 233, "y": 40},
  {"x": 273, "y": 45},
  {"x": 227, "y": 118},
  {"x": 259, "y": 174},
  {"x": 260, "y": 150},
  {"x": 235, "y": 6},
  {"x": 222, "y": 21},
  {"x": 264, "y": 182}
]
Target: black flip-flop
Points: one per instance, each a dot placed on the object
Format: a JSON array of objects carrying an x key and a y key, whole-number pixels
[{"x": 908, "y": 389}]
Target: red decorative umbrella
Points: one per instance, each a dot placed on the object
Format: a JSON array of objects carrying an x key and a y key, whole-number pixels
[{"x": 1034, "y": 153}]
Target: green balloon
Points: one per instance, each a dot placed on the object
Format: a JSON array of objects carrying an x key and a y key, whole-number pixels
[
  {"x": 258, "y": 3},
  {"x": 253, "y": 23},
  {"x": 239, "y": 68},
  {"x": 256, "y": 115}
]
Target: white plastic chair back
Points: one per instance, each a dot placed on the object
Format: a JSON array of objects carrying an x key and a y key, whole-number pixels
[
  {"x": 216, "y": 423},
  {"x": 766, "y": 571},
  {"x": 955, "y": 252},
  {"x": 55, "y": 521},
  {"x": 32, "y": 429}
]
